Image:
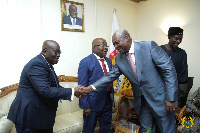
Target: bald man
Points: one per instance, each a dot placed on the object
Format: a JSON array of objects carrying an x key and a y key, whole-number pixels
[
  {"x": 72, "y": 18},
  {"x": 96, "y": 106},
  {"x": 34, "y": 107}
]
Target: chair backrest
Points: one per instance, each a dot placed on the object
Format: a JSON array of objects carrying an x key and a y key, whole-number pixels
[
  {"x": 7, "y": 95},
  {"x": 66, "y": 106}
]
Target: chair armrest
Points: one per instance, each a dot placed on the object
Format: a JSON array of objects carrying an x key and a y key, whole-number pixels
[
  {"x": 5, "y": 125},
  {"x": 180, "y": 114}
]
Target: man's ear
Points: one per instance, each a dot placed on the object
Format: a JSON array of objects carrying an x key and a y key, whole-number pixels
[
  {"x": 44, "y": 51},
  {"x": 127, "y": 37}
]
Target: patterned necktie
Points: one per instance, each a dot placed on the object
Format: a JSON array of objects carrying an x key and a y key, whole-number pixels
[
  {"x": 104, "y": 69},
  {"x": 74, "y": 22},
  {"x": 132, "y": 63}
]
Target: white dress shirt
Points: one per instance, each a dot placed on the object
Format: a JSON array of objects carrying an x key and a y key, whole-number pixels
[
  {"x": 132, "y": 52},
  {"x": 72, "y": 20},
  {"x": 101, "y": 62},
  {"x": 101, "y": 66}
]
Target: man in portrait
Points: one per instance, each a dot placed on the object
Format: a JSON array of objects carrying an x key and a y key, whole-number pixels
[{"x": 72, "y": 18}]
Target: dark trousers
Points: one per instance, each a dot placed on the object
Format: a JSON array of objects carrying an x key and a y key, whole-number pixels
[
  {"x": 104, "y": 117},
  {"x": 20, "y": 129}
]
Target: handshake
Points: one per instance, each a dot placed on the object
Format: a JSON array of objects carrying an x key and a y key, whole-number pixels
[{"x": 81, "y": 91}]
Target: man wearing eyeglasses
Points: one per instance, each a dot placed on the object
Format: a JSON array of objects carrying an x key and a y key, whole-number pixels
[
  {"x": 96, "y": 106},
  {"x": 34, "y": 107}
]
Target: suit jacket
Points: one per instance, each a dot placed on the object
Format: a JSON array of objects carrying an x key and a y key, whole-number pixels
[
  {"x": 156, "y": 76},
  {"x": 90, "y": 71},
  {"x": 67, "y": 20},
  {"x": 36, "y": 102}
]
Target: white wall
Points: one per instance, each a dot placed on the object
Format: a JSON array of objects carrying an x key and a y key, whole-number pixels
[
  {"x": 153, "y": 13},
  {"x": 20, "y": 37}
]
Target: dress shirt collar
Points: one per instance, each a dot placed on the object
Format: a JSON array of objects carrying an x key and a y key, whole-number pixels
[
  {"x": 47, "y": 62},
  {"x": 131, "y": 50},
  {"x": 98, "y": 57},
  {"x": 72, "y": 19}
]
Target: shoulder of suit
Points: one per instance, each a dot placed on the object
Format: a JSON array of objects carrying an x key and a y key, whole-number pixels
[
  {"x": 118, "y": 56},
  {"x": 79, "y": 18},
  {"x": 91, "y": 56},
  {"x": 107, "y": 58}
]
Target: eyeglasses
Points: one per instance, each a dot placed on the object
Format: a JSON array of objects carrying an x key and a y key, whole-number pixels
[
  {"x": 56, "y": 51},
  {"x": 102, "y": 46}
]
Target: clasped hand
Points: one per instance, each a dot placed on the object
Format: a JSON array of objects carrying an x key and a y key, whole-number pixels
[{"x": 81, "y": 91}]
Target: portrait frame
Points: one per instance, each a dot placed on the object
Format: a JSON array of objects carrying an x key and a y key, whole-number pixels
[{"x": 67, "y": 23}]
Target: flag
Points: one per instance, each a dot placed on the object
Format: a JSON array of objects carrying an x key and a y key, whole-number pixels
[
  {"x": 122, "y": 83},
  {"x": 64, "y": 9},
  {"x": 115, "y": 26}
]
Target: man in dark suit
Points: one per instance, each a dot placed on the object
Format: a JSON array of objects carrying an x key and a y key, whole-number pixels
[
  {"x": 34, "y": 108},
  {"x": 96, "y": 106},
  {"x": 72, "y": 18},
  {"x": 153, "y": 79}
]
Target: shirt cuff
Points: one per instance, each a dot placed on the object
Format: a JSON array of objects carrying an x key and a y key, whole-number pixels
[
  {"x": 72, "y": 96},
  {"x": 93, "y": 88}
]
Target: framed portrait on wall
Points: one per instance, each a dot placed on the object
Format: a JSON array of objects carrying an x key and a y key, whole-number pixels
[{"x": 72, "y": 16}]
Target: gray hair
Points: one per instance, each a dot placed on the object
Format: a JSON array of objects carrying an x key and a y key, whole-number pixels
[{"x": 121, "y": 33}]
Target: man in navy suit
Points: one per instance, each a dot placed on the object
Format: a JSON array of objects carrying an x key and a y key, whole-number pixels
[
  {"x": 153, "y": 79},
  {"x": 72, "y": 18},
  {"x": 96, "y": 106},
  {"x": 34, "y": 107}
]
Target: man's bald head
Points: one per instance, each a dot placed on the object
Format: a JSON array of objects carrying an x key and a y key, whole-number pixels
[
  {"x": 73, "y": 11},
  {"x": 51, "y": 51},
  {"x": 99, "y": 47}
]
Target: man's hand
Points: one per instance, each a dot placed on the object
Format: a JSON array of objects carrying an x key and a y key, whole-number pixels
[
  {"x": 170, "y": 106},
  {"x": 79, "y": 92},
  {"x": 87, "y": 112},
  {"x": 87, "y": 89}
]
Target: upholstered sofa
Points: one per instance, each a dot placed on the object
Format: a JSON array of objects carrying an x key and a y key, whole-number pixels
[{"x": 69, "y": 117}]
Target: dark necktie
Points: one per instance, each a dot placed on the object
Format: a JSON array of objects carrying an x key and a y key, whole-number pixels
[
  {"x": 54, "y": 75},
  {"x": 132, "y": 63},
  {"x": 104, "y": 69}
]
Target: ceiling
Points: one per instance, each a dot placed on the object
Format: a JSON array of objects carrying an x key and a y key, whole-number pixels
[{"x": 138, "y": 0}]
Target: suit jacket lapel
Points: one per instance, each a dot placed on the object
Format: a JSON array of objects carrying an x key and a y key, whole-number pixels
[
  {"x": 45, "y": 62},
  {"x": 126, "y": 63},
  {"x": 50, "y": 69},
  {"x": 96, "y": 63},
  {"x": 109, "y": 66},
  {"x": 138, "y": 59}
]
